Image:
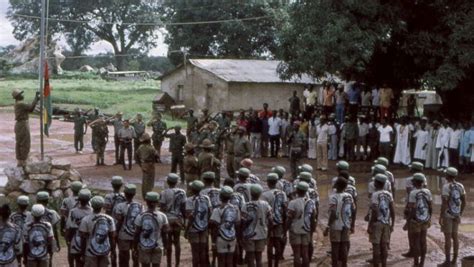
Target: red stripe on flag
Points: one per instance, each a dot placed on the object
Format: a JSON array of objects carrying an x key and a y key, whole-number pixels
[{"x": 47, "y": 88}]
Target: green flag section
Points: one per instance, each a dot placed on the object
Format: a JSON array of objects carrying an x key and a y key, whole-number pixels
[{"x": 48, "y": 105}]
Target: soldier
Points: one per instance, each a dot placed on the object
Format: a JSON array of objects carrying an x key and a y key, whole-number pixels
[
  {"x": 139, "y": 126},
  {"x": 256, "y": 218},
  {"x": 206, "y": 159},
  {"x": 101, "y": 134},
  {"x": 382, "y": 219},
  {"x": 114, "y": 198},
  {"x": 391, "y": 179},
  {"x": 72, "y": 236},
  {"x": 297, "y": 141},
  {"x": 146, "y": 160},
  {"x": 198, "y": 211},
  {"x": 18, "y": 218},
  {"x": 11, "y": 238},
  {"x": 67, "y": 205},
  {"x": 172, "y": 203},
  {"x": 278, "y": 202},
  {"x": 190, "y": 164},
  {"x": 177, "y": 142},
  {"x": 419, "y": 210},
  {"x": 125, "y": 214},
  {"x": 343, "y": 166},
  {"x": 283, "y": 184},
  {"x": 125, "y": 137},
  {"x": 205, "y": 118},
  {"x": 378, "y": 169},
  {"x": 228, "y": 138},
  {"x": 38, "y": 253},
  {"x": 80, "y": 129},
  {"x": 118, "y": 125},
  {"x": 340, "y": 223},
  {"x": 191, "y": 122},
  {"x": 242, "y": 147},
  {"x": 225, "y": 225},
  {"x": 22, "y": 128},
  {"x": 452, "y": 208},
  {"x": 159, "y": 127},
  {"x": 150, "y": 233},
  {"x": 248, "y": 163},
  {"x": 242, "y": 186},
  {"x": 90, "y": 119},
  {"x": 97, "y": 235},
  {"x": 301, "y": 222},
  {"x": 213, "y": 193}
]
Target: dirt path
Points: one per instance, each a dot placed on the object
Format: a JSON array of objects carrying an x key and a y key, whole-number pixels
[{"x": 59, "y": 145}]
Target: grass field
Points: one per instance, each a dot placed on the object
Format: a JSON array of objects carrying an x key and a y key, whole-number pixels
[{"x": 130, "y": 97}]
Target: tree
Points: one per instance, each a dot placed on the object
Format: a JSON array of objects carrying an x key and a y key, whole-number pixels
[
  {"x": 233, "y": 39},
  {"x": 124, "y": 24}
]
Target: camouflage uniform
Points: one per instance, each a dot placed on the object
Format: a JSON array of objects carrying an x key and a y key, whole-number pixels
[
  {"x": 146, "y": 159},
  {"x": 159, "y": 127}
]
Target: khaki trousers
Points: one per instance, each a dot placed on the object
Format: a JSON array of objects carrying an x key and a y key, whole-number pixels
[{"x": 322, "y": 156}]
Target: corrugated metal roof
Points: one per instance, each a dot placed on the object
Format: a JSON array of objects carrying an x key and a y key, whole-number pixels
[{"x": 243, "y": 70}]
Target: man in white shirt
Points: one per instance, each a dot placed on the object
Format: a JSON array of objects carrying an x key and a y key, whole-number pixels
[
  {"x": 454, "y": 141},
  {"x": 442, "y": 144},
  {"x": 274, "y": 131},
  {"x": 311, "y": 97},
  {"x": 322, "y": 131},
  {"x": 385, "y": 139}
]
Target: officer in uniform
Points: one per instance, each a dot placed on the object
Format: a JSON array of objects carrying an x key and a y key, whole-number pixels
[
  {"x": 139, "y": 127},
  {"x": 90, "y": 119},
  {"x": 190, "y": 164},
  {"x": 159, "y": 128},
  {"x": 80, "y": 129},
  {"x": 114, "y": 198},
  {"x": 206, "y": 160},
  {"x": 146, "y": 159},
  {"x": 22, "y": 128},
  {"x": 297, "y": 141},
  {"x": 38, "y": 253},
  {"x": 242, "y": 147},
  {"x": 125, "y": 136},
  {"x": 118, "y": 125},
  {"x": 228, "y": 139},
  {"x": 177, "y": 142},
  {"x": 191, "y": 122},
  {"x": 101, "y": 134}
]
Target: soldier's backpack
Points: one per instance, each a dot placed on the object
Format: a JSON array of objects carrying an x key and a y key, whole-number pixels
[
  {"x": 150, "y": 232},
  {"x": 37, "y": 239},
  {"x": 213, "y": 195},
  {"x": 9, "y": 236},
  {"x": 179, "y": 199},
  {"x": 309, "y": 211},
  {"x": 454, "y": 201},
  {"x": 383, "y": 209},
  {"x": 18, "y": 219},
  {"x": 227, "y": 225},
  {"x": 346, "y": 211},
  {"x": 251, "y": 220},
  {"x": 99, "y": 239},
  {"x": 134, "y": 209},
  {"x": 237, "y": 200},
  {"x": 278, "y": 201},
  {"x": 201, "y": 213},
  {"x": 422, "y": 213},
  {"x": 242, "y": 190}
]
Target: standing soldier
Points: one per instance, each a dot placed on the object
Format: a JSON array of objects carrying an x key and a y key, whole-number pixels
[
  {"x": 297, "y": 141},
  {"x": 38, "y": 253},
  {"x": 206, "y": 159},
  {"x": 242, "y": 147},
  {"x": 97, "y": 235},
  {"x": 256, "y": 217},
  {"x": 242, "y": 186},
  {"x": 177, "y": 142},
  {"x": 205, "y": 118},
  {"x": 67, "y": 205},
  {"x": 18, "y": 218},
  {"x": 150, "y": 233},
  {"x": 125, "y": 214},
  {"x": 118, "y": 125},
  {"x": 278, "y": 201},
  {"x": 22, "y": 127},
  {"x": 452, "y": 208},
  {"x": 90, "y": 119},
  {"x": 80, "y": 129},
  {"x": 114, "y": 198},
  {"x": 73, "y": 238},
  {"x": 225, "y": 225},
  {"x": 190, "y": 164},
  {"x": 11, "y": 239},
  {"x": 213, "y": 193},
  {"x": 191, "y": 122},
  {"x": 228, "y": 139},
  {"x": 172, "y": 203},
  {"x": 139, "y": 127},
  {"x": 198, "y": 211},
  {"x": 159, "y": 128},
  {"x": 146, "y": 159},
  {"x": 101, "y": 133},
  {"x": 125, "y": 137}
]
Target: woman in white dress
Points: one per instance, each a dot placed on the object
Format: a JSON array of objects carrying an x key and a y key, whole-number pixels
[
  {"x": 402, "y": 150},
  {"x": 422, "y": 136}
]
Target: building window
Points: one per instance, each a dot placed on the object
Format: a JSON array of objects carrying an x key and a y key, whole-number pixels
[{"x": 180, "y": 93}]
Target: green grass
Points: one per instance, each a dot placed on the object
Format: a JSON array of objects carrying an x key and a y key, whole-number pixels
[{"x": 130, "y": 97}]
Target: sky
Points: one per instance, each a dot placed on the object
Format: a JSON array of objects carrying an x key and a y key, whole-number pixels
[{"x": 6, "y": 36}]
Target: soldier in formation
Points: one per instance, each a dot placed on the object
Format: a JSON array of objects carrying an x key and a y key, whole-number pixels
[
  {"x": 145, "y": 158},
  {"x": 177, "y": 142}
]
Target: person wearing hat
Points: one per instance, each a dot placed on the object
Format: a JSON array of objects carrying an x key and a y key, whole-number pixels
[
  {"x": 80, "y": 129},
  {"x": 124, "y": 214},
  {"x": 453, "y": 203},
  {"x": 341, "y": 222},
  {"x": 382, "y": 220},
  {"x": 283, "y": 184},
  {"x": 190, "y": 164},
  {"x": 177, "y": 142},
  {"x": 145, "y": 158},
  {"x": 172, "y": 204},
  {"x": 343, "y": 166},
  {"x": 419, "y": 211},
  {"x": 191, "y": 122},
  {"x": 242, "y": 186},
  {"x": 297, "y": 141},
  {"x": 76, "y": 214},
  {"x": 301, "y": 223},
  {"x": 67, "y": 205},
  {"x": 125, "y": 137},
  {"x": 207, "y": 161},
  {"x": 422, "y": 140},
  {"x": 257, "y": 215},
  {"x": 22, "y": 128},
  {"x": 140, "y": 127},
  {"x": 241, "y": 146},
  {"x": 118, "y": 124},
  {"x": 93, "y": 227},
  {"x": 159, "y": 127},
  {"x": 278, "y": 202},
  {"x": 38, "y": 253},
  {"x": 114, "y": 198},
  {"x": 18, "y": 218},
  {"x": 225, "y": 226},
  {"x": 90, "y": 118},
  {"x": 379, "y": 169},
  {"x": 100, "y": 134},
  {"x": 198, "y": 212},
  {"x": 248, "y": 163},
  {"x": 11, "y": 239}
]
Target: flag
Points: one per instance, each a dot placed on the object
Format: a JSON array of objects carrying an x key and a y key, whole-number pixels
[{"x": 48, "y": 106}]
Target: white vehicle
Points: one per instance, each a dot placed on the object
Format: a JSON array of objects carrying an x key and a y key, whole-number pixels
[{"x": 427, "y": 102}]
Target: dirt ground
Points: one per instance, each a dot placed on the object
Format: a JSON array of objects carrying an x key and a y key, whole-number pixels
[{"x": 60, "y": 145}]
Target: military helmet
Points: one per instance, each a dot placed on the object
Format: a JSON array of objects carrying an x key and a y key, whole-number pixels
[
  {"x": 256, "y": 189},
  {"x": 280, "y": 170},
  {"x": 381, "y": 178},
  {"x": 419, "y": 177},
  {"x": 76, "y": 186},
  {"x": 23, "y": 201},
  {"x": 188, "y": 147},
  {"x": 303, "y": 186},
  {"x": 226, "y": 191},
  {"x": 342, "y": 165},
  {"x": 117, "y": 180},
  {"x": 172, "y": 178},
  {"x": 208, "y": 176},
  {"x": 451, "y": 171},
  {"x": 42, "y": 195},
  {"x": 145, "y": 137},
  {"x": 130, "y": 189},
  {"x": 272, "y": 177},
  {"x": 378, "y": 168},
  {"x": 197, "y": 185},
  {"x": 244, "y": 172},
  {"x": 305, "y": 168},
  {"x": 37, "y": 210},
  {"x": 305, "y": 176},
  {"x": 85, "y": 194},
  {"x": 152, "y": 197},
  {"x": 97, "y": 202},
  {"x": 382, "y": 161},
  {"x": 207, "y": 143}
]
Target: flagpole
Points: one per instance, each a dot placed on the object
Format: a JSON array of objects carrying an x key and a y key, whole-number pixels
[{"x": 41, "y": 73}]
